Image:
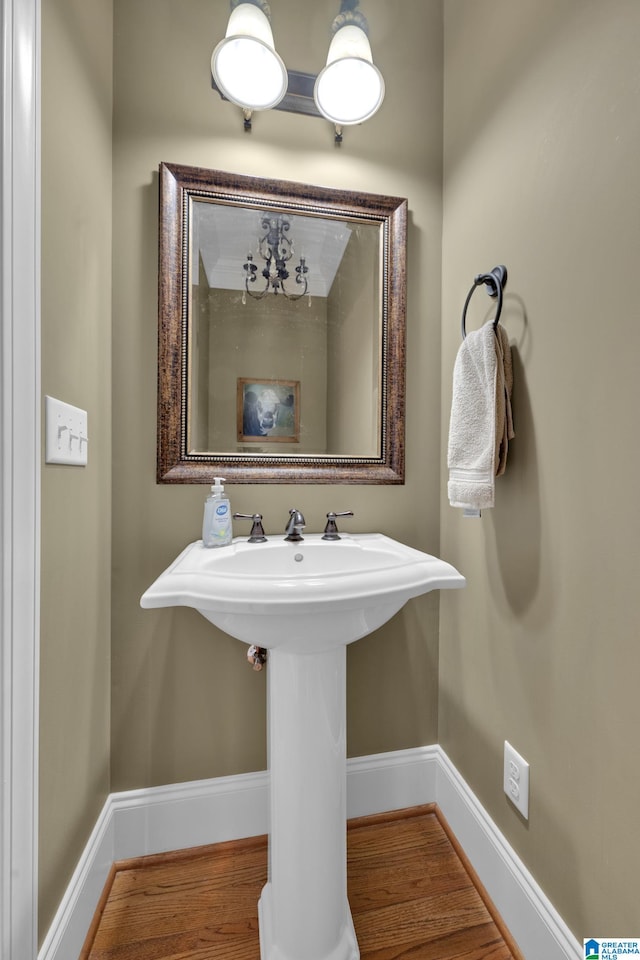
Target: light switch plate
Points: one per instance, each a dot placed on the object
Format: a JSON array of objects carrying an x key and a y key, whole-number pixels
[{"x": 66, "y": 433}]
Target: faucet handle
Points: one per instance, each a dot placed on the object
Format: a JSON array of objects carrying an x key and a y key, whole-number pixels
[
  {"x": 331, "y": 530},
  {"x": 257, "y": 532}
]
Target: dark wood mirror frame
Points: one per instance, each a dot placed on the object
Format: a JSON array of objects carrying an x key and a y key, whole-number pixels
[{"x": 178, "y": 184}]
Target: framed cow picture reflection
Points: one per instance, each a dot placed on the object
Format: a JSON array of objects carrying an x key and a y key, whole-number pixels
[{"x": 268, "y": 410}]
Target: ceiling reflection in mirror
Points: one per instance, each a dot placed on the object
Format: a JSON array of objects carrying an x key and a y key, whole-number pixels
[{"x": 285, "y": 361}]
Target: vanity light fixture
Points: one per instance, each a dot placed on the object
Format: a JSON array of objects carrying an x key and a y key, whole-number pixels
[
  {"x": 276, "y": 249},
  {"x": 246, "y": 69},
  {"x": 350, "y": 89},
  {"x": 245, "y": 66}
]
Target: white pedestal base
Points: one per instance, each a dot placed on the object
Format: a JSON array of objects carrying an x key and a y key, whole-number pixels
[
  {"x": 346, "y": 948},
  {"x": 304, "y": 912}
]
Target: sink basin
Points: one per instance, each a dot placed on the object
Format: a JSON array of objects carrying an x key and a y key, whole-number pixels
[
  {"x": 309, "y": 595},
  {"x": 304, "y": 601}
]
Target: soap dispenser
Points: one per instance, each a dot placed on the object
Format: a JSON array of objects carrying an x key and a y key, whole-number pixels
[{"x": 216, "y": 525}]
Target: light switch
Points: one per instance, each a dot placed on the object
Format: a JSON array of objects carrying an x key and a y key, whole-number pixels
[{"x": 66, "y": 434}]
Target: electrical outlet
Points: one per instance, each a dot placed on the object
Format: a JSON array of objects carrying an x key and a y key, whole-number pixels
[{"x": 516, "y": 779}]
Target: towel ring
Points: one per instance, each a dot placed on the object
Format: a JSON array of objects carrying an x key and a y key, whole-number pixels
[{"x": 495, "y": 282}]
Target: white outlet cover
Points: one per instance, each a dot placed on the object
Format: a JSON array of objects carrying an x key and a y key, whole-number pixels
[
  {"x": 66, "y": 433},
  {"x": 516, "y": 779}
]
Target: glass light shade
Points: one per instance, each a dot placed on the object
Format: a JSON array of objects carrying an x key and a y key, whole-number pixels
[
  {"x": 246, "y": 68},
  {"x": 350, "y": 88}
]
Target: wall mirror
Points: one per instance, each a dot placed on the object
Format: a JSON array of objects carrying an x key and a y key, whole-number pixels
[{"x": 281, "y": 331}]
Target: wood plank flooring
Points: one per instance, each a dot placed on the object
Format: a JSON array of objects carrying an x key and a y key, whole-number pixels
[{"x": 413, "y": 896}]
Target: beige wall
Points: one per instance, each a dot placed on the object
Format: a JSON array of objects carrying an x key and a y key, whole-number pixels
[
  {"x": 76, "y": 502},
  {"x": 353, "y": 307},
  {"x": 198, "y": 423},
  {"x": 542, "y": 139},
  {"x": 541, "y": 144},
  {"x": 277, "y": 339},
  {"x": 185, "y": 704}
]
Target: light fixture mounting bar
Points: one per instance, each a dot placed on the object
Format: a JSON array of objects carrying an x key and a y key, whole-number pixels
[{"x": 299, "y": 95}]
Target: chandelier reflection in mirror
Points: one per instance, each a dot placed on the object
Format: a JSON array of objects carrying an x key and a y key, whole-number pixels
[{"x": 276, "y": 249}]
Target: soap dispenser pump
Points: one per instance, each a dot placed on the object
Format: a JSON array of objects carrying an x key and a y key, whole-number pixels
[{"x": 216, "y": 525}]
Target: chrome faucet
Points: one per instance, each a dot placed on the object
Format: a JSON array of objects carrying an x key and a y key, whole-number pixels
[{"x": 294, "y": 526}]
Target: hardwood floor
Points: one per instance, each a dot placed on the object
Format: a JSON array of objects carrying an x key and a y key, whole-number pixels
[{"x": 413, "y": 896}]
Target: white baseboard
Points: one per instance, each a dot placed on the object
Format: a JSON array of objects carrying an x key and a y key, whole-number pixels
[
  {"x": 158, "y": 819},
  {"x": 391, "y": 781},
  {"x": 67, "y": 933},
  {"x": 190, "y": 814},
  {"x": 531, "y": 918}
]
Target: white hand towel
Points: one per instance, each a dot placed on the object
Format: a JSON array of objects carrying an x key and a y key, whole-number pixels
[{"x": 481, "y": 394}]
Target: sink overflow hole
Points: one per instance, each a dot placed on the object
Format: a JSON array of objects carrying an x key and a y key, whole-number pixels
[{"x": 298, "y": 557}]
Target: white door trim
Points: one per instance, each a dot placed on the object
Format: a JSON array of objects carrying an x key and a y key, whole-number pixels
[{"x": 19, "y": 475}]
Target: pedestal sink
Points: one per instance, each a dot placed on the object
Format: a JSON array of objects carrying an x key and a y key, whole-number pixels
[{"x": 305, "y": 602}]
